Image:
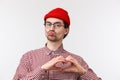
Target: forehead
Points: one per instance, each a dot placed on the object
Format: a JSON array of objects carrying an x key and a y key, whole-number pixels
[{"x": 53, "y": 20}]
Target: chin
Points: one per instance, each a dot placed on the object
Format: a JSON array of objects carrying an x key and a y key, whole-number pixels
[{"x": 51, "y": 39}]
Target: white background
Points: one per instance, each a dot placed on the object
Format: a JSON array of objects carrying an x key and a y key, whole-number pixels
[{"x": 94, "y": 33}]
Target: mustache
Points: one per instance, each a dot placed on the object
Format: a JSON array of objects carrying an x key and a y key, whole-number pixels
[{"x": 51, "y": 33}]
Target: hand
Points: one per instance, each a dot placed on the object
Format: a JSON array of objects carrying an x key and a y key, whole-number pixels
[
  {"x": 75, "y": 67},
  {"x": 50, "y": 65}
]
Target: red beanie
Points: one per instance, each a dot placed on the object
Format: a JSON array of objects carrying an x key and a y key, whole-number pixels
[{"x": 60, "y": 14}]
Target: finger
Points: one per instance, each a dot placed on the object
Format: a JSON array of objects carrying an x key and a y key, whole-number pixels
[
  {"x": 60, "y": 58},
  {"x": 69, "y": 57},
  {"x": 67, "y": 70},
  {"x": 72, "y": 60}
]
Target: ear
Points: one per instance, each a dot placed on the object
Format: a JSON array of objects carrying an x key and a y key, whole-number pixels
[{"x": 67, "y": 31}]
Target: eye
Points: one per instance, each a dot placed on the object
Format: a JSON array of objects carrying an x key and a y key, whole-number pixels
[
  {"x": 48, "y": 24},
  {"x": 57, "y": 25}
]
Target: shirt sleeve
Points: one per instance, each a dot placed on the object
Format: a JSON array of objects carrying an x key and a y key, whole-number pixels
[
  {"x": 90, "y": 74},
  {"x": 24, "y": 71}
]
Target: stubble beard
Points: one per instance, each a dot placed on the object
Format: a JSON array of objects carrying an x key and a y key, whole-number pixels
[{"x": 52, "y": 38}]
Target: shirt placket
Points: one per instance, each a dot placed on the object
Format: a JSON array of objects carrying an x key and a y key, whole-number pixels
[
  {"x": 45, "y": 75},
  {"x": 51, "y": 72}
]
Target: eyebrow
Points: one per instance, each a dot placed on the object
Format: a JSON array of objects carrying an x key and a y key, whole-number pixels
[{"x": 47, "y": 22}]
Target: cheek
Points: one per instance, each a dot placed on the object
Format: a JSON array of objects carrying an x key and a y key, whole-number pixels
[
  {"x": 46, "y": 31},
  {"x": 61, "y": 34}
]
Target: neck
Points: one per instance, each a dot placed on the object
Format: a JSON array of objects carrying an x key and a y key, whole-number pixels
[{"x": 53, "y": 45}]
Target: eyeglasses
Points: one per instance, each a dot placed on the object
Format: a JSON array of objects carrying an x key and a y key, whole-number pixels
[{"x": 56, "y": 25}]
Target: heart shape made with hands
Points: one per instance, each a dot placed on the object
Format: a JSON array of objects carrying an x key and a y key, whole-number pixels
[{"x": 63, "y": 65}]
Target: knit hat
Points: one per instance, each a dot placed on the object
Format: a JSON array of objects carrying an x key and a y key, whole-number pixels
[{"x": 60, "y": 14}]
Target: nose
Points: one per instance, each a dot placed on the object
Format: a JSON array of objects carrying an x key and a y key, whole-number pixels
[{"x": 52, "y": 27}]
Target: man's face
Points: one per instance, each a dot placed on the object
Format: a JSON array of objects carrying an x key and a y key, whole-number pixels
[{"x": 54, "y": 29}]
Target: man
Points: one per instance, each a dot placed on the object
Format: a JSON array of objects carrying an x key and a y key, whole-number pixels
[{"x": 53, "y": 62}]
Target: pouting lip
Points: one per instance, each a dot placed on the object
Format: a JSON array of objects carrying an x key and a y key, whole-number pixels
[{"x": 51, "y": 33}]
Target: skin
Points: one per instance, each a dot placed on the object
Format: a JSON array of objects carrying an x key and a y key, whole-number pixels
[{"x": 54, "y": 40}]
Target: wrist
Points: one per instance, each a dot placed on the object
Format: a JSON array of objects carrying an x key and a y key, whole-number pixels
[{"x": 82, "y": 71}]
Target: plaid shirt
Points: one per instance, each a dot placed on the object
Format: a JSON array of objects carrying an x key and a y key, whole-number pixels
[{"x": 31, "y": 62}]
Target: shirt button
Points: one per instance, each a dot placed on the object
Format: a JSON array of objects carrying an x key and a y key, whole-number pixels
[{"x": 43, "y": 76}]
